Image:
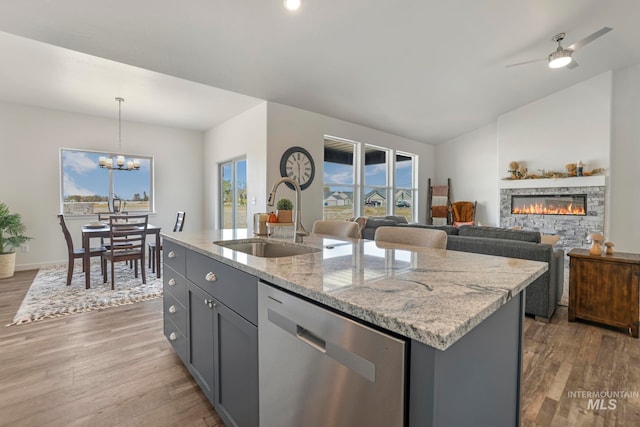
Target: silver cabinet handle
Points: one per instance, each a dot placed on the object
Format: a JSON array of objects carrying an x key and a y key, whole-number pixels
[
  {"x": 172, "y": 282},
  {"x": 171, "y": 254},
  {"x": 172, "y": 309},
  {"x": 173, "y": 336},
  {"x": 210, "y": 277}
]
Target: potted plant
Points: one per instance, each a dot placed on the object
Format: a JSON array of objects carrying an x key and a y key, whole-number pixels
[
  {"x": 284, "y": 210},
  {"x": 11, "y": 236}
]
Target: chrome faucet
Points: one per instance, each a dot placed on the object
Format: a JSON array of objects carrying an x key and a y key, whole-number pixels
[{"x": 299, "y": 230}]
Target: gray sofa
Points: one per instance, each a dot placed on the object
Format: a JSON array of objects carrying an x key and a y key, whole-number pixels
[{"x": 542, "y": 295}]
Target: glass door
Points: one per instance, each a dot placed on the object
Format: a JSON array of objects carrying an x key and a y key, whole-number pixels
[{"x": 233, "y": 194}]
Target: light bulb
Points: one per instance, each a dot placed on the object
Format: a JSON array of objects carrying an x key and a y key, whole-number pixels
[
  {"x": 559, "y": 58},
  {"x": 292, "y": 4}
]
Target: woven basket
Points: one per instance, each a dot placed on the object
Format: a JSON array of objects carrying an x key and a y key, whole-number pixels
[{"x": 7, "y": 265}]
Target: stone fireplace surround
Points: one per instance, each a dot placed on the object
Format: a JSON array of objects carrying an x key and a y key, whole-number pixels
[{"x": 572, "y": 230}]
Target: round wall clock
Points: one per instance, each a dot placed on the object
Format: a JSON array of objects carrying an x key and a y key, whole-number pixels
[{"x": 297, "y": 164}]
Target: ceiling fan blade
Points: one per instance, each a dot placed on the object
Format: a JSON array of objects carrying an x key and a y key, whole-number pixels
[
  {"x": 526, "y": 62},
  {"x": 572, "y": 64},
  {"x": 577, "y": 45}
]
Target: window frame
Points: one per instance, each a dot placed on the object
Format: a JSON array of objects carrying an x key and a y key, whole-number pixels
[
  {"x": 360, "y": 187},
  {"x": 110, "y": 179},
  {"x": 355, "y": 190}
]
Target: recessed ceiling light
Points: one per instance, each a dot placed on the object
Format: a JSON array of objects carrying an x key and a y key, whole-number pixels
[{"x": 292, "y": 4}]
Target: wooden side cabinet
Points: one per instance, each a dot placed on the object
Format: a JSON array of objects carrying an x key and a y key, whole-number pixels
[{"x": 604, "y": 289}]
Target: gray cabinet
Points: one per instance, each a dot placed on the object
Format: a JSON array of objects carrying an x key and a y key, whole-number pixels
[
  {"x": 236, "y": 368},
  {"x": 201, "y": 322},
  {"x": 219, "y": 344},
  {"x": 175, "y": 311}
]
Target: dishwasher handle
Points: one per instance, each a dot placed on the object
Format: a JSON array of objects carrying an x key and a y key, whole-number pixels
[
  {"x": 338, "y": 353},
  {"x": 300, "y": 332},
  {"x": 311, "y": 339}
]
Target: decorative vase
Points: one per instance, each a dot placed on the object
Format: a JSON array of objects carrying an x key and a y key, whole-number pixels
[
  {"x": 596, "y": 248},
  {"x": 609, "y": 246},
  {"x": 7, "y": 265}
]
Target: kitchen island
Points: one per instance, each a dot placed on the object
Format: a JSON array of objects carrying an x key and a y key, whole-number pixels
[{"x": 460, "y": 315}]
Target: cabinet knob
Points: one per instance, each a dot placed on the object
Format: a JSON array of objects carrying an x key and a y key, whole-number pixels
[
  {"x": 172, "y": 309},
  {"x": 173, "y": 336},
  {"x": 172, "y": 282},
  {"x": 210, "y": 277},
  {"x": 171, "y": 254}
]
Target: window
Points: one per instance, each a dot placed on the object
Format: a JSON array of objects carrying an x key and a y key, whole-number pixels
[
  {"x": 87, "y": 189},
  {"x": 362, "y": 179},
  {"x": 233, "y": 194},
  {"x": 376, "y": 181},
  {"x": 339, "y": 180},
  {"x": 405, "y": 188}
]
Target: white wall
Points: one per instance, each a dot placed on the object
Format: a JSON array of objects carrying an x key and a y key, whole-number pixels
[
  {"x": 30, "y": 139},
  {"x": 288, "y": 126},
  {"x": 470, "y": 162},
  {"x": 244, "y": 135},
  {"x": 625, "y": 161},
  {"x": 570, "y": 125}
]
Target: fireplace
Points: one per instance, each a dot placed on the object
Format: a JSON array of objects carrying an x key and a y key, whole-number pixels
[
  {"x": 549, "y": 204},
  {"x": 572, "y": 229}
]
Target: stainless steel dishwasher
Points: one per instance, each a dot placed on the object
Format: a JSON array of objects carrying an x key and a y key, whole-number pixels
[{"x": 318, "y": 368}]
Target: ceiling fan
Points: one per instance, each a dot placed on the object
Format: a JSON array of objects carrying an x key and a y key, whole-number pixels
[{"x": 562, "y": 56}]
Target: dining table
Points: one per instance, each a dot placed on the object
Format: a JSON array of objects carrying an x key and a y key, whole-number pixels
[{"x": 91, "y": 231}]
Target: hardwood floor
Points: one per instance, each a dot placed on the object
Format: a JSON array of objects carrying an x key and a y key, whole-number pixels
[
  {"x": 112, "y": 367},
  {"x": 115, "y": 368}
]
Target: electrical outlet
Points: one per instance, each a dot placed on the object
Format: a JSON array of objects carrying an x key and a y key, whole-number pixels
[{"x": 24, "y": 248}]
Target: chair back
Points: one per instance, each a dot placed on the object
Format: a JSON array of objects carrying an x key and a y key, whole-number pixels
[
  {"x": 179, "y": 221},
  {"x": 104, "y": 216},
  {"x": 423, "y": 237},
  {"x": 463, "y": 213},
  {"x": 337, "y": 228},
  {"x": 128, "y": 233},
  {"x": 67, "y": 235}
]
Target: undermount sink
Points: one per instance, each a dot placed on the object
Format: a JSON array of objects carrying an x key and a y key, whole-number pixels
[{"x": 266, "y": 248}]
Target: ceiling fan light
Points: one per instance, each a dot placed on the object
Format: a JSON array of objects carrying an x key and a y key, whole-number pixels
[{"x": 560, "y": 58}]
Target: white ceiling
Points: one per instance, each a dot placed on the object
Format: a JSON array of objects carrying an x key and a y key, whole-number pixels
[{"x": 428, "y": 70}]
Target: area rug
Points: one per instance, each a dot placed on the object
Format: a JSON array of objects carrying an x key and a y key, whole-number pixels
[{"x": 49, "y": 296}]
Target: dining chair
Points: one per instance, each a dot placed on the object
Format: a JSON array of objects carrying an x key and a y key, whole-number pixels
[
  {"x": 76, "y": 253},
  {"x": 423, "y": 237},
  {"x": 336, "y": 228},
  {"x": 104, "y": 216},
  {"x": 127, "y": 235},
  {"x": 152, "y": 244}
]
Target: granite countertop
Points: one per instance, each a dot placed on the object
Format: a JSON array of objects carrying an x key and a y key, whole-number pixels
[{"x": 429, "y": 295}]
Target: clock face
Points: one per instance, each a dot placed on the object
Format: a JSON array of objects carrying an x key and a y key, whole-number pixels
[{"x": 297, "y": 164}]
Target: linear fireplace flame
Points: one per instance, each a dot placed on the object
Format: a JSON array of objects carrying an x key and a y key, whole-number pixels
[{"x": 574, "y": 204}]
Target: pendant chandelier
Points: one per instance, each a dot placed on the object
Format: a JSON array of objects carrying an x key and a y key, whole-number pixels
[{"x": 121, "y": 163}]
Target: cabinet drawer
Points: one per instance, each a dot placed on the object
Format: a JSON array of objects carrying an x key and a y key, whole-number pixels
[
  {"x": 173, "y": 255},
  {"x": 175, "y": 284},
  {"x": 176, "y": 339},
  {"x": 234, "y": 288},
  {"x": 176, "y": 312}
]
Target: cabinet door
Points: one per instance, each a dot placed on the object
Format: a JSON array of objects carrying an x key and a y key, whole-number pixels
[
  {"x": 200, "y": 324},
  {"x": 236, "y": 364}
]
